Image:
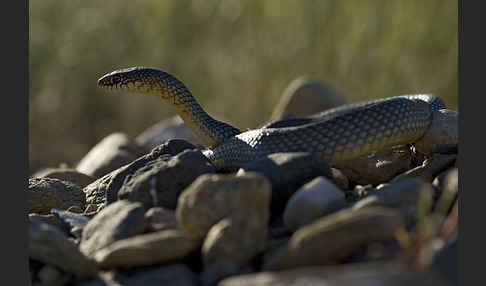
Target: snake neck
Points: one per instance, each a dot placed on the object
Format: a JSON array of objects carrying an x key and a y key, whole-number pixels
[{"x": 144, "y": 80}]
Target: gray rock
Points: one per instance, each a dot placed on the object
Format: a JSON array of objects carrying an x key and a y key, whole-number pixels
[
  {"x": 49, "y": 219},
  {"x": 336, "y": 236},
  {"x": 44, "y": 194},
  {"x": 377, "y": 167},
  {"x": 317, "y": 198},
  {"x": 159, "y": 218},
  {"x": 221, "y": 269},
  {"x": 446, "y": 179},
  {"x": 449, "y": 188},
  {"x": 164, "y": 130},
  {"x": 379, "y": 274},
  {"x": 340, "y": 179},
  {"x": 105, "y": 190},
  {"x": 238, "y": 238},
  {"x": 160, "y": 182},
  {"x": 430, "y": 168},
  {"x": 287, "y": 172},
  {"x": 211, "y": 198},
  {"x": 50, "y": 245},
  {"x": 50, "y": 275},
  {"x": 65, "y": 174},
  {"x": 72, "y": 221},
  {"x": 395, "y": 194},
  {"x": 446, "y": 261},
  {"x": 442, "y": 135},
  {"x": 305, "y": 96},
  {"x": 147, "y": 249},
  {"x": 114, "y": 151},
  {"x": 117, "y": 221}
]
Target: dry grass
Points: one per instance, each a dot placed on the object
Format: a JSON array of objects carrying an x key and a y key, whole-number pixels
[{"x": 236, "y": 56}]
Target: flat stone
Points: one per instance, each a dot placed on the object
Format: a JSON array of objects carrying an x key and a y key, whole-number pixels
[
  {"x": 147, "y": 249},
  {"x": 211, "y": 198},
  {"x": 317, "y": 198},
  {"x": 114, "y": 151},
  {"x": 50, "y": 245},
  {"x": 378, "y": 167},
  {"x": 44, "y": 194},
  {"x": 117, "y": 221},
  {"x": 334, "y": 237},
  {"x": 287, "y": 172}
]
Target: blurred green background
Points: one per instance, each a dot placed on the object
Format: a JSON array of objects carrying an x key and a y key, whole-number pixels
[{"x": 236, "y": 56}]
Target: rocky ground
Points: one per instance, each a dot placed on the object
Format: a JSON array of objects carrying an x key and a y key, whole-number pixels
[{"x": 136, "y": 213}]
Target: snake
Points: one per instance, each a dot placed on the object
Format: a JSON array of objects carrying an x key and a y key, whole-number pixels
[{"x": 337, "y": 134}]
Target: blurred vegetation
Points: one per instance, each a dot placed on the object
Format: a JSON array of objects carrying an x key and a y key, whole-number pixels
[{"x": 236, "y": 56}]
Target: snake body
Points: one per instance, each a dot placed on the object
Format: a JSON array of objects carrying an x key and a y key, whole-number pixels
[{"x": 338, "y": 134}]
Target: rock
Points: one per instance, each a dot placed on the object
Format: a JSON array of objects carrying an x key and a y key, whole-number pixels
[
  {"x": 340, "y": 179},
  {"x": 147, "y": 249},
  {"x": 447, "y": 179},
  {"x": 114, "y": 151},
  {"x": 287, "y": 172},
  {"x": 50, "y": 275},
  {"x": 90, "y": 208},
  {"x": 50, "y": 245},
  {"x": 117, "y": 221},
  {"x": 317, "y": 198},
  {"x": 174, "y": 274},
  {"x": 159, "y": 219},
  {"x": 442, "y": 135},
  {"x": 160, "y": 182},
  {"x": 395, "y": 194},
  {"x": 237, "y": 239},
  {"x": 75, "y": 209},
  {"x": 219, "y": 270},
  {"x": 449, "y": 188},
  {"x": 378, "y": 167},
  {"x": 105, "y": 190},
  {"x": 164, "y": 130},
  {"x": 334, "y": 237},
  {"x": 446, "y": 261},
  {"x": 211, "y": 198},
  {"x": 72, "y": 221},
  {"x": 66, "y": 174},
  {"x": 50, "y": 219},
  {"x": 343, "y": 275},
  {"x": 305, "y": 96},
  {"x": 44, "y": 194},
  {"x": 430, "y": 168}
]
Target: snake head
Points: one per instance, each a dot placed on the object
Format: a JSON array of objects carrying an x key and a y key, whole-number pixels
[{"x": 136, "y": 79}]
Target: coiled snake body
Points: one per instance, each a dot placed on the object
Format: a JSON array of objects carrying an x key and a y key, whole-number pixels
[{"x": 337, "y": 134}]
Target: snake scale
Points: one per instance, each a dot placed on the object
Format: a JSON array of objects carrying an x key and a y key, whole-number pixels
[{"x": 338, "y": 134}]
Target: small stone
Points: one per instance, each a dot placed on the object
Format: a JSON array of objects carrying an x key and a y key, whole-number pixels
[
  {"x": 147, "y": 249},
  {"x": 49, "y": 275},
  {"x": 73, "y": 221},
  {"x": 75, "y": 209},
  {"x": 317, "y": 198},
  {"x": 430, "y": 168},
  {"x": 117, "y": 221},
  {"x": 50, "y": 245},
  {"x": 160, "y": 182},
  {"x": 164, "y": 130},
  {"x": 219, "y": 270},
  {"x": 340, "y": 179},
  {"x": 90, "y": 208},
  {"x": 334, "y": 237},
  {"x": 211, "y": 198},
  {"x": 159, "y": 218},
  {"x": 442, "y": 135},
  {"x": 114, "y": 151},
  {"x": 287, "y": 172},
  {"x": 378, "y": 167},
  {"x": 237, "y": 238},
  {"x": 44, "y": 194},
  {"x": 49, "y": 219}
]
